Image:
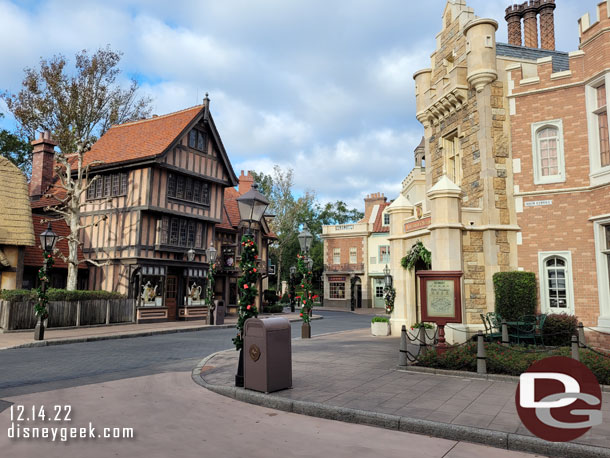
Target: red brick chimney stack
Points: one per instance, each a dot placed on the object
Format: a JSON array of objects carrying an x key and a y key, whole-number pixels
[
  {"x": 370, "y": 201},
  {"x": 547, "y": 24},
  {"x": 245, "y": 182},
  {"x": 530, "y": 23},
  {"x": 43, "y": 157},
  {"x": 513, "y": 17}
]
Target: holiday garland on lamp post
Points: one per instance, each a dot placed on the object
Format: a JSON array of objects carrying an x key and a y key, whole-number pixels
[
  {"x": 247, "y": 287},
  {"x": 40, "y": 309},
  {"x": 306, "y": 300}
]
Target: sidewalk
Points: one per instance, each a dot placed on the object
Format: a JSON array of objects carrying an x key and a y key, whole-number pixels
[
  {"x": 21, "y": 339},
  {"x": 352, "y": 376},
  {"x": 359, "y": 311}
]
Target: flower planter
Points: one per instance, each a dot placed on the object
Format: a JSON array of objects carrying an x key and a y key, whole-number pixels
[
  {"x": 380, "y": 329},
  {"x": 414, "y": 336}
]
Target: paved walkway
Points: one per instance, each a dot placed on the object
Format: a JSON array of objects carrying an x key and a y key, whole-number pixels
[
  {"x": 84, "y": 334},
  {"x": 357, "y": 371}
]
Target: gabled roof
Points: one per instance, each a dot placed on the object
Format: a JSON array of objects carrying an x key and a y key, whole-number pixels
[
  {"x": 33, "y": 254},
  {"x": 153, "y": 137},
  {"x": 16, "y": 220},
  {"x": 230, "y": 214},
  {"x": 378, "y": 224}
]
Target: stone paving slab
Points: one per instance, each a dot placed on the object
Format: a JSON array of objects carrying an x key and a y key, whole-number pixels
[
  {"x": 25, "y": 338},
  {"x": 354, "y": 370}
]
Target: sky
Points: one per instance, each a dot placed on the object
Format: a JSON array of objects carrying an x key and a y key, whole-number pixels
[{"x": 322, "y": 87}]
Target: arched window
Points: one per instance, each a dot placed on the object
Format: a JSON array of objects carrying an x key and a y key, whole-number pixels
[
  {"x": 557, "y": 291},
  {"x": 548, "y": 154},
  {"x": 548, "y": 148}
]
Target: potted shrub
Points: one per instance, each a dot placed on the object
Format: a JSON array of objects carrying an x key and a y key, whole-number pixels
[
  {"x": 430, "y": 331},
  {"x": 380, "y": 326}
]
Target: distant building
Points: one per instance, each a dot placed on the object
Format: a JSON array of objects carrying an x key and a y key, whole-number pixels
[
  {"x": 355, "y": 256},
  {"x": 16, "y": 229}
]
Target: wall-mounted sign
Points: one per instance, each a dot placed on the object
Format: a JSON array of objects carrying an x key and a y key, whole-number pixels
[
  {"x": 538, "y": 203},
  {"x": 419, "y": 224},
  {"x": 336, "y": 279}
]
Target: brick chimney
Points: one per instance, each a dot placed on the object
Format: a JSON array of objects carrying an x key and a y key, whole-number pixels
[
  {"x": 513, "y": 17},
  {"x": 43, "y": 157},
  {"x": 245, "y": 182},
  {"x": 369, "y": 204},
  {"x": 547, "y": 24},
  {"x": 530, "y": 23}
]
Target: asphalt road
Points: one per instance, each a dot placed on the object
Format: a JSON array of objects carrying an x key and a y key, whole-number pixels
[{"x": 32, "y": 370}]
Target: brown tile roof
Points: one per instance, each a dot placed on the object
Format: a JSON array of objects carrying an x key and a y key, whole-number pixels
[
  {"x": 378, "y": 224},
  {"x": 33, "y": 254},
  {"x": 141, "y": 139},
  {"x": 16, "y": 221}
]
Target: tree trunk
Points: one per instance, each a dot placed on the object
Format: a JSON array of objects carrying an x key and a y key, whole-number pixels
[
  {"x": 278, "y": 277},
  {"x": 72, "y": 282}
]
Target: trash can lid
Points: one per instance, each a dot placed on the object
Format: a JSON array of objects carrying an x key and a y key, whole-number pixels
[{"x": 269, "y": 324}]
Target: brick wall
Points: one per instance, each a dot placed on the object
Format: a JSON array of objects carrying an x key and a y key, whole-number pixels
[{"x": 344, "y": 243}]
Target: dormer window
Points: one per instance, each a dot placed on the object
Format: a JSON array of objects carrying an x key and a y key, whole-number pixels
[
  {"x": 197, "y": 140},
  {"x": 386, "y": 219}
]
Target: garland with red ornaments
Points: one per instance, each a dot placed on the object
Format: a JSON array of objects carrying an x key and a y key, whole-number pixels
[
  {"x": 40, "y": 308},
  {"x": 246, "y": 287},
  {"x": 306, "y": 298}
]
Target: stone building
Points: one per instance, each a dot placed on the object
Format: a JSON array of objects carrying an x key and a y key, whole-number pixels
[
  {"x": 561, "y": 170},
  {"x": 355, "y": 256},
  {"x": 467, "y": 218}
]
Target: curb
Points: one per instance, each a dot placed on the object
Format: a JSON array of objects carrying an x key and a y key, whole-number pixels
[
  {"x": 466, "y": 374},
  {"x": 47, "y": 343},
  {"x": 497, "y": 439}
]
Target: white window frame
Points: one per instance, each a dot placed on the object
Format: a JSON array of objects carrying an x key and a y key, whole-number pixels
[
  {"x": 336, "y": 254},
  {"x": 597, "y": 173},
  {"x": 383, "y": 223},
  {"x": 353, "y": 255},
  {"x": 452, "y": 144},
  {"x": 538, "y": 177},
  {"x": 602, "y": 271},
  {"x": 543, "y": 257},
  {"x": 386, "y": 259}
]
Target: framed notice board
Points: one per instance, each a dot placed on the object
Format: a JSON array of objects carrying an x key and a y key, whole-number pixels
[{"x": 441, "y": 296}]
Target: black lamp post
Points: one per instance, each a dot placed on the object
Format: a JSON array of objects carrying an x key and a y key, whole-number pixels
[
  {"x": 305, "y": 239},
  {"x": 293, "y": 273},
  {"x": 48, "y": 239},
  {"x": 252, "y": 206},
  {"x": 211, "y": 257}
]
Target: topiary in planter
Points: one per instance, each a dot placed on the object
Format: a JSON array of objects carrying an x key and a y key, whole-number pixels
[
  {"x": 515, "y": 293},
  {"x": 558, "y": 329}
]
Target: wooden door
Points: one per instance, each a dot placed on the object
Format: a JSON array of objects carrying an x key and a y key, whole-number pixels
[{"x": 171, "y": 296}]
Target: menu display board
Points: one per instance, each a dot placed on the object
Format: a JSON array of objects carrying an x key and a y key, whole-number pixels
[{"x": 441, "y": 296}]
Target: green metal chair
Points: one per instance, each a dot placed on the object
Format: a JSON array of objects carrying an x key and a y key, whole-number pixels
[
  {"x": 526, "y": 329},
  {"x": 493, "y": 326},
  {"x": 540, "y": 334}
]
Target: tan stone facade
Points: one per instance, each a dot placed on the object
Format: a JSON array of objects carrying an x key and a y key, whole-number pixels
[{"x": 564, "y": 210}]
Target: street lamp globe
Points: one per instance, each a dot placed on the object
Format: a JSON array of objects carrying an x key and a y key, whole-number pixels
[
  {"x": 388, "y": 277},
  {"x": 252, "y": 205},
  {"x": 48, "y": 239},
  {"x": 305, "y": 239},
  {"x": 190, "y": 255},
  {"x": 293, "y": 271},
  {"x": 211, "y": 252}
]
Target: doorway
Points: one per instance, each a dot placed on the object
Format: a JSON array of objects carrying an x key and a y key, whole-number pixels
[{"x": 171, "y": 296}]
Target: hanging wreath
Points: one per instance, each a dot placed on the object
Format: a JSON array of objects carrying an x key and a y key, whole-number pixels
[
  {"x": 418, "y": 252},
  {"x": 389, "y": 295}
]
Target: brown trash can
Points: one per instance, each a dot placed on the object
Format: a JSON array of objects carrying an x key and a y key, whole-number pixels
[
  {"x": 267, "y": 354},
  {"x": 219, "y": 312}
]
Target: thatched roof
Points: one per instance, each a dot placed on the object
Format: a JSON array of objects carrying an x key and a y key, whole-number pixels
[{"x": 15, "y": 213}]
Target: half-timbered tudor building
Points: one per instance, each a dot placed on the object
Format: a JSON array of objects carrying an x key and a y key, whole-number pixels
[
  {"x": 161, "y": 187},
  {"x": 228, "y": 237}
]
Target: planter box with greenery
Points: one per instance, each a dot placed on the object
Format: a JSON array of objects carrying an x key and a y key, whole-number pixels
[
  {"x": 380, "y": 326},
  {"x": 515, "y": 293},
  {"x": 413, "y": 333}
]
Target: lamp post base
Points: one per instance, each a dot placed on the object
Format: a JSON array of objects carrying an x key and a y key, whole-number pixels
[
  {"x": 239, "y": 377},
  {"x": 306, "y": 331},
  {"x": 39, "y": 330}
]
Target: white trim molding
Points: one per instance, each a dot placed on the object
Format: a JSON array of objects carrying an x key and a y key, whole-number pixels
[
  {"x": 543, "y": 256},
  {"x": 603, "y": 275},
  {"x": 597, "y": 173},
  {"x": 560, "y": 177}
]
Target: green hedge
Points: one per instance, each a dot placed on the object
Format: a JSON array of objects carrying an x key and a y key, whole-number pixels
[
  {"x": 273, "y": 308},
  {"x": 270, "y": 296},
  {"x": 22, "y": 295},
  {"x": 511, "y": 360},
  {"x": 558, "y": 329},
  {"x": 380, "y": 319},
  {"x": 515, "y": 293}
]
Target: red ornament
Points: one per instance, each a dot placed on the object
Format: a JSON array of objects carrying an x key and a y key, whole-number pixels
[
  {"x": 255, "y": 257},
  {"x": 302, "y": 286},
  {"x": 245, "y": 286},
  {"x": 248, "y": 307},
  {"x": 254, "y": 270},
  {"x": 300, "y": 314},
  {"x": 304, "y": 302}
]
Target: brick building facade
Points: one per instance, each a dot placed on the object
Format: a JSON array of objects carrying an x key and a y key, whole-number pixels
[{"x": 561, "y": 170}]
